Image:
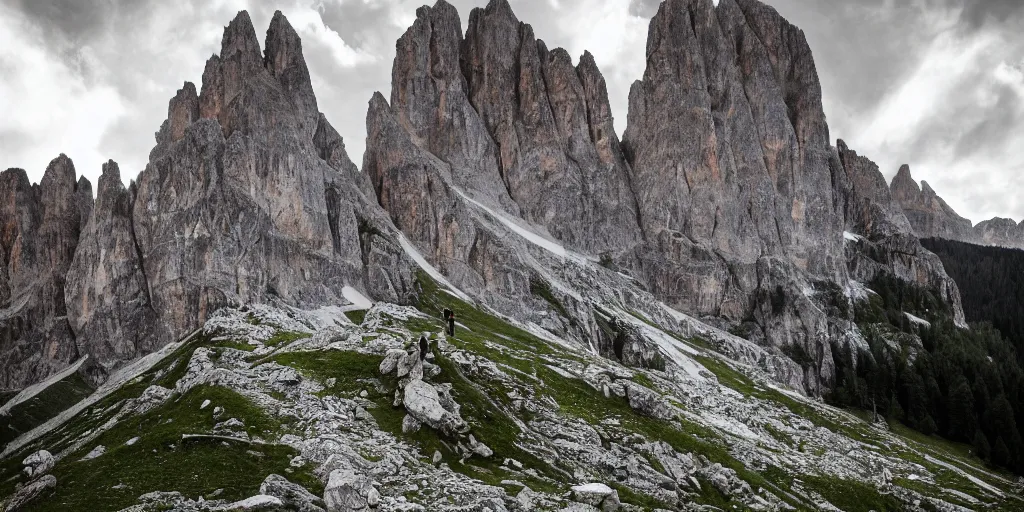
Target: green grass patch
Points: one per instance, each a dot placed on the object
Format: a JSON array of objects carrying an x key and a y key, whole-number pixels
[
  {"x": 851, "y": 496},
  {"x": 356, "y": 316},
  {"x": 161, "y": 460},
  {"x": 732, "y": 378},
  {"x": 352, "y": 371},
  {"x": 627, "y": 495},
  {"x": 285, "y": 337},
  {"x": 48, "y": 403}
]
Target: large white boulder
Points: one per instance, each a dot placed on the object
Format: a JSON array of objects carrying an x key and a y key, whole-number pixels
[{"x": 348, "y": 491}]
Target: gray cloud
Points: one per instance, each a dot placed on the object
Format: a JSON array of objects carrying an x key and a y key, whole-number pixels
[{"x": 109, "y": 67}]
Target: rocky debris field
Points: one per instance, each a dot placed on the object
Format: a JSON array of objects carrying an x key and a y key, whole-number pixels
[{"x": 334, "y": 410}]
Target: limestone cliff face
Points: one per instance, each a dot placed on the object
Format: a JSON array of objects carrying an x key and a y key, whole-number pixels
[
  {"x": 39, "y": 231},
  {"x": 729, "y": 148},
  {"x": 496, "y": 158},
  {"x": 248, "y": 197},
  {"x": 109, "y": 306},
  {"x": 931, "y": 217},
  {"x": 239, "y": 205},
  {"x": 885, "y": 242},
  {"x": 520, "y": 127}
]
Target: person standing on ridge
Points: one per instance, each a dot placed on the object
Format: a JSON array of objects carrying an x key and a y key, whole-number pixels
[
  {"x": 424, "y": 347},
  {"x": 451, "y": 324}
]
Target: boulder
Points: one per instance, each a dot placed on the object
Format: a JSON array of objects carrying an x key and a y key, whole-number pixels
[
  {"x": 422, "y": 403},
  {"x": 39, "y": 463},
  {"x": 390, "y": 362},
  {"x": 598, "y": 495},
  {"x": 30, "y": 492},
  {"x": 293, "y": 496},
  {"x": 347, "y": 491}
]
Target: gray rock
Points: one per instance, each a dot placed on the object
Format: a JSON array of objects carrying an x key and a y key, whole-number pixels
[
  {"x": 292, "y": 495},
  {"x": 41, "y": 228},
  {"x": 95, "y": 452},
  {"x": 597, "y": 495},
  {"x": 109, "y": 306},
  {"x": 422, "y": 403},
  {"x": 390, "y": 362},
  {"x": 932, "y": 217},
  {"x": 30, "y": 492},
  {"x": 887, "y": 242},
  {"x": 39, "y": 463},
  {"x": 347, "y": 491},
  {"x": 410, "y": 424}
]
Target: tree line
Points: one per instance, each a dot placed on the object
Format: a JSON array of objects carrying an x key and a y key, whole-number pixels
[{"x": 966, "y": 385}]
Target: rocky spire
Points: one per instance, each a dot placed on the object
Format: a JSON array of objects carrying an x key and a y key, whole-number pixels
[
  {"x": 903, "y": 187},
  {"x": 41, "y": 225},
  {"x": 871, "y": 210},
  {"x": 928, "y": 214},
  {"x": 526, "y": 153},
  {"x": 429, "y": 95},
  {"x": 182, "y": 111},
  {"x": 109, "y": 308},
  {"x": 283, "y": 58}
]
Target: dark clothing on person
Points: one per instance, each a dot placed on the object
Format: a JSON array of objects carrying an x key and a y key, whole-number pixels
[
  {"x": 447, "y": 313},
  {"x": 424, "y": 347},
  {"x": 451, "y": 324}
]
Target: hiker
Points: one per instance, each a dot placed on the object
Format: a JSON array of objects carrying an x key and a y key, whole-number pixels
[
  {"x": 447, "y": 313},
  {"x": 451, "y": 323},
  {"x": 424, "y": 347}
]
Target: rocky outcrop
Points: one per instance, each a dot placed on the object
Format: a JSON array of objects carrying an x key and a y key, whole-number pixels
[
  {"x": 244, "y": 207},
  {"x": 109, "y": 306},
  {"x": 39, "y": 231},
  {"x": 248, "y": 197},
  {"x": 880, "y": 239},
  {"x": 519, "y": 126},
  {"x": 1000, "y": 232},
  {"x": 729, "y": 148},
  {"x": 931, "y": 217}
]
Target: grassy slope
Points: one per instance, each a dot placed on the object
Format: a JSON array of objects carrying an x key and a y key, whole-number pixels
[
  {"x": 486, "y": 407},
  {"x": 40, "y": 408}
]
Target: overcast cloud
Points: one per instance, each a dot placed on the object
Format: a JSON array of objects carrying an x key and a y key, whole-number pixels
[{"x": 937, "y": 84}]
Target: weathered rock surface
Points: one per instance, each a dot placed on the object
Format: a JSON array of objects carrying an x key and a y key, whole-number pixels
[
  {"x": 728, "y": 143},
  {"x": 294, "y": 496},
  {"x": 884, "y": 241},
  {"x": 30, "y": 492},
  {"x": 347, "y": 491},
  {"x": 39, "y": 231},
  {"x": 248, "y": 197},
  {"x": 931, "y": 217},
  {"x": 107, "y": 293}
]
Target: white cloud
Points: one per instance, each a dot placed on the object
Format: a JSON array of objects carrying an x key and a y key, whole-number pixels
[
  {"x": 309, "y": 24},
  {"x": 49, "y": 100}
]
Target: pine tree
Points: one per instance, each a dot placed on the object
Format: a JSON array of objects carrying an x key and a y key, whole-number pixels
[
  {"x": 981, "y": 448},
  {"x": 962, "y": 422}
]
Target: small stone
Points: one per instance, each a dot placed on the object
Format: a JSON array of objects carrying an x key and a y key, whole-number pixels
[
  {"x": 437, "y": 457},
  {"x": 96, "y": 452},
  {"x": 131, "y": 441},
  {"x": 410, "y": 425},
  {"x": 363, "y": 394},
  {"x": 206, "y": 403}
]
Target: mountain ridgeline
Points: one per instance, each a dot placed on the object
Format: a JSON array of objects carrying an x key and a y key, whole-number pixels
[{"x": 494, "y": 160}]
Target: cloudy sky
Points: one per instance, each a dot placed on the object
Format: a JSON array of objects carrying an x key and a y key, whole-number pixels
[{"x": 937, "y": 84}]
